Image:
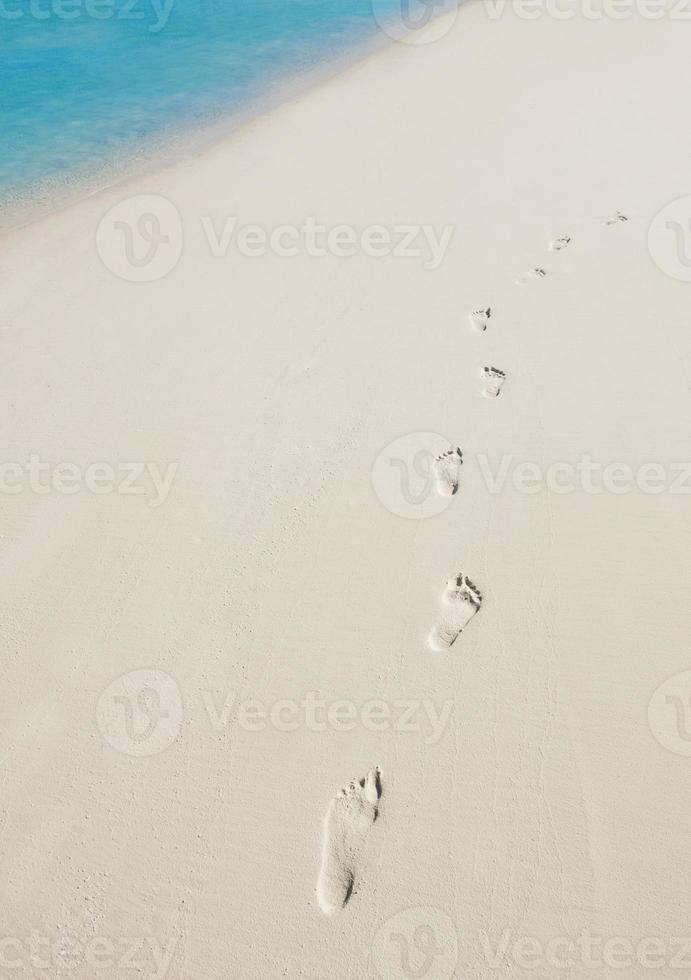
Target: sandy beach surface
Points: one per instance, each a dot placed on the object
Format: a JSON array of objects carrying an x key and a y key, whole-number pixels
[{"x": 226, "y": 544}]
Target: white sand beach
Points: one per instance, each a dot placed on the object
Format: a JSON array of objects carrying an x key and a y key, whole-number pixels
[{"x": 172, "y": 656}]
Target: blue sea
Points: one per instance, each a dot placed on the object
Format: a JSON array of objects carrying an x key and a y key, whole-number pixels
[{"x": 87, "y": 84}]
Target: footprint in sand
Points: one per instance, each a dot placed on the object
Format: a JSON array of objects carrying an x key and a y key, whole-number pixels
[
  {"x": 494, "y": 381},
  {"x": 446, "y": 469},
  {"x": 557, "y": 244},
  {"x": 536, "y": 273},
  {"x": 346, "y": 826},
  {"x": 615, "y": 219},
  {"x": 479, "y": 319},
  {"x": 464, "y": 600}
]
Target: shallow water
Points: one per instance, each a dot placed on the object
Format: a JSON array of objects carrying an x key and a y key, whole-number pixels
[{"x": 86, "y": 83}]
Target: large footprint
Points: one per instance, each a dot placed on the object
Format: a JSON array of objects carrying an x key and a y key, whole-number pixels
[
  {"x": 494, "y": 381},
  {"x": 530, "y": 275},
  {"x": 464, "y": 600},
  {"x": 615, "y": 219},
  {"x": 346, "y": 826},
  {"x": 558, "y": 244},
  {"x": 446, "y": 469},
  {"x": 479, "y": 319}
]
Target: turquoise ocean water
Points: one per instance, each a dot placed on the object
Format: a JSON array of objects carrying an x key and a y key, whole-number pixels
[{"x": 88, "y": 83}]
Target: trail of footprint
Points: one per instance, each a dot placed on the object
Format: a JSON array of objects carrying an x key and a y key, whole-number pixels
[
  {"x": 615, "y": 219},
  {"x": 464, "y": 600},
  {"x": 495, "y": 381},
  {"x": 479, "y": 319},
  {"x": 446, "y": 469},
  {"x": 536, "y": 273},
  {"x": 346, "y": 826},
  {"x": 559, "y": 243}
]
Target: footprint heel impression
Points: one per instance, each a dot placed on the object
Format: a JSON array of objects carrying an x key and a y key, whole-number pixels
[{"x": 347, "y": 824}]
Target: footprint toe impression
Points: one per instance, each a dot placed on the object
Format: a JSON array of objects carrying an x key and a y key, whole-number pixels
[
  {"x": 494, "y": 381},
  {"x": 479, "y": 319},
  {"x": 464, "y": 600},
  {"x": 616, "y": 218},
  {"x": 446, "y": 469},
  {"x": 530, "y": 276}
]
